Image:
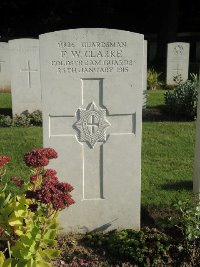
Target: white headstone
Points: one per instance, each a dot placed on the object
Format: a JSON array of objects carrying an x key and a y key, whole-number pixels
[
  {"x": 177, "y": 61},
  {"x": 4, "y": 67},
  {"x": 25, "y": 75},
  {"x": 92, "y": 114},
  {"x": 145, "y": 76},
  {"x": 196, "y": 178}
]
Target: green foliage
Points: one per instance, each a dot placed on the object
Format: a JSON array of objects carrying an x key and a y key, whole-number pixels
[
  {"x": 183, "y": 100},
  {"x": 5, "y": 121},
  {"x": 25, "y": 119},
  {"x": 36, "y": 118},
  {"x": 5, "y": 101},
  {"x": 184, "y": 229},
  {"x": 21, "y": 120},
  {"x": 28, "y": 227},
  {"x": 153, "y": 82},
  {"x": 28, "y": 235},
  {"x": 188, "y": 221},
  {"x": 145, "y": 248}
]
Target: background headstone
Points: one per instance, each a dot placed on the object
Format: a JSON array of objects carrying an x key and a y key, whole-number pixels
[
  {"x": 177, "y": 61},
  {"x": 25, "y": 75},
  {"x": 92, "y": 85},
  {"x": 4, "y": 67},
  {"x": 145, "y": 77}
]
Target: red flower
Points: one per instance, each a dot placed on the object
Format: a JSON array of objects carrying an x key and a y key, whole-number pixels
[
  {"x": 50, "y": 153},
  {"x": 4, "y": 160},
  {"x": 35, "y": 159},
  {"x": 17, "y": 181},
  {"x": 53, "y": 192},
  {"x": 65, "y": 187},
  {"x": 39, "y": 157},
  {"x": 33, "y": 178},
  {"x": 50, "y": 173}
]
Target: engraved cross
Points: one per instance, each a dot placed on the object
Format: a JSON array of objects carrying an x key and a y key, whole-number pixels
[
  {"x": 29, "y": 70},
  {"x": 1, "y": 65},
  {"x": 92, "y": 154},
  {"x": 93, "y": 123},
  {"x": 177, "y": 70}
]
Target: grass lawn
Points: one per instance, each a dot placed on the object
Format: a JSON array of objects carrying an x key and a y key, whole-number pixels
[
  {"x": 5, "y": 100},
  {"x": 167, "y": 154},
  {"x": 155, "y": 98},
  {"x": 167, "y": 161}
]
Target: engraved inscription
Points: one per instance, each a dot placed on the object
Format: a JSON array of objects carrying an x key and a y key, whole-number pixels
[
  {"x": 92, "y": 124},
  {"x": 92, "y": 57}
]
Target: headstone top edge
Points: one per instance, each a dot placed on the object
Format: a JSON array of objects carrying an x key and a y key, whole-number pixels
[
  {"x": 22, "y": 40},
  {"x": 92, "y": 29},
  {"x": 4, "y": 45},
  {"x": 183, "y": 43}
]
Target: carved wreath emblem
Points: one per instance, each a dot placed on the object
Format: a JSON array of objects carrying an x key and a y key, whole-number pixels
[
  {"x": 92, "y": 124},
  {"x": 178, "y": 50}
]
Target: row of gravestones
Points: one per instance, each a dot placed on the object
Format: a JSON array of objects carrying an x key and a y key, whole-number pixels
[
  {"x": 19, "y": 61},
  {"x": 19, "y": 69},
  {"x": 92, "y": 83},
  {"x": 20, "y": 73}
]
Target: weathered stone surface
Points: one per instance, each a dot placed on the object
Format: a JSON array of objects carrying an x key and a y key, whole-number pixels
[
  {"x": 25, "y": 75},
  {"x": 92, "y": 85},
  {"x": 4, "y": 67},
  {"x": 145, "y": 76},
  {"x": 196, "y": 178},
  {"x": 177, "y": 61}
]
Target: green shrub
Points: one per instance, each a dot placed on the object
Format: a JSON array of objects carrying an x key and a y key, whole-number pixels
[
  {"x": 182, "y": 101},
  {"x": 25, "y": 119},
  {"x": 188, "y": 221},
  {"x": 21, "y": 120},
  {"x": 145, "y": 248},
  {"x": 36, "y": 118},
  {"x": 5, "y": 121},
  {"x": 153, "y": 82}
]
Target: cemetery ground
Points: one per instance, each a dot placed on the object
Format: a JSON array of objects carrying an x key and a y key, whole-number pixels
[{"x": 167, "y": 170}]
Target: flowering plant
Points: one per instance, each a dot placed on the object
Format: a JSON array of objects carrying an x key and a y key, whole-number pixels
[{"x": 28, "y": 224}]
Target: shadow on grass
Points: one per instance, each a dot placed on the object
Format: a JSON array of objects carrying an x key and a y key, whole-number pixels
[
  {"x": 179, "y": 185},
  {"x": 161, "y": 113},
  {"x": 152, "y": 215},
  {"x": 6, "y": 111},
  {"x": 146, "y": 218}
]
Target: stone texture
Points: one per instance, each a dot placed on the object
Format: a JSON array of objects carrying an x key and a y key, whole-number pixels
[
  {"x": 92, "y": 85},
  {"x": 145, "y": 76},
  {"x": 196, "y": 178},
  {"x": 4, "y": 67},
  {"x": 25, "y": 75},
  {"x": 177, "y": 61}
]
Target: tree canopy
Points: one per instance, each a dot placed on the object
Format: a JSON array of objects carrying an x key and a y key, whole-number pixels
[{"x": 22, "y": 18}]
